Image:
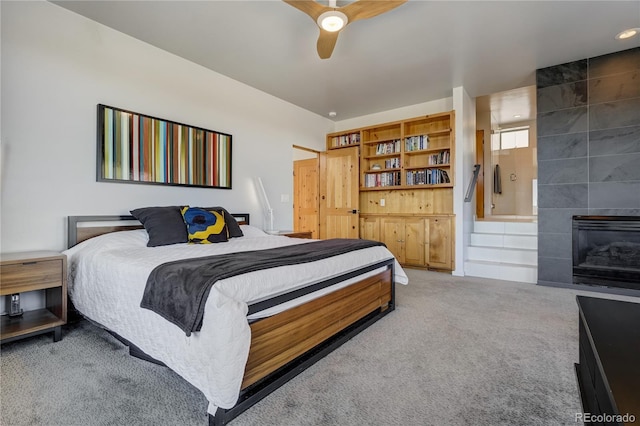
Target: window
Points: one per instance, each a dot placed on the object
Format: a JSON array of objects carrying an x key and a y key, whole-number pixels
[{"x": 517, "y": 137}]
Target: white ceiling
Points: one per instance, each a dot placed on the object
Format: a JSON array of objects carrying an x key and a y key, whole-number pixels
[{"x": 415, "y": 53}]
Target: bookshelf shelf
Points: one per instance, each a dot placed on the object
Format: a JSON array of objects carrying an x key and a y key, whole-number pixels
[
  {"x": 444, "y": 132},
  {"x": 432, "y": 166},
  {"x": 397, "y": 169},
  {"x": 405, "y": 187},
  {"x": 343, "y": 139},
  {"x": 430, "y": 185},
  {"x": 368, "y": 157},
  {"x": 379, "y": 141},
  {"x": 425, "y": 151}
]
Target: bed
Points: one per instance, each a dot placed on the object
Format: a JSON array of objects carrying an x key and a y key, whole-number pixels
[{"x": 259, "y": 329}]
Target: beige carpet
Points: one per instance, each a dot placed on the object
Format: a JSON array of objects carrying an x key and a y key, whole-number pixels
[{"x": 457, "y": 351}]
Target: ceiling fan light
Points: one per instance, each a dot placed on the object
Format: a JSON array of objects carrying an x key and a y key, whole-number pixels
[{"x": 332, "y": 20}]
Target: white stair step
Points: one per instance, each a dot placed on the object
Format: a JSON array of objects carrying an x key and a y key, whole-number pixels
[
  {"x": 490, "y": 227},
  {"x": 505, "y": 240},
  {"x": 504, "y": 255},
  {"x": 501, "y": 271}
]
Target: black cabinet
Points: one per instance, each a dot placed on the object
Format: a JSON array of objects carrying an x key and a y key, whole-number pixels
[{"x": 608, "y": 371}]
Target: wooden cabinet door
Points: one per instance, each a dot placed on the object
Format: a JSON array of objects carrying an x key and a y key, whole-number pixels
[
  {"x": 370, "y": 228},
  {"x": 339, "y": 197},
  {"x": 414, "y": 242},
  {"x": 305, "y": 196},
  {"x": 438, "y": 249},
  {"x": 392, "y": 233}
]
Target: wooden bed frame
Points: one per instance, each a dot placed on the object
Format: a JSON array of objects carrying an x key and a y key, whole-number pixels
[{"x": 285, "y": 344}]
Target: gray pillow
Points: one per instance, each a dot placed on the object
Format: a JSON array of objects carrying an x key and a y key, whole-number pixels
[
  {"x": 164, "y": 225},
  {"x": 232, "y": 223}
]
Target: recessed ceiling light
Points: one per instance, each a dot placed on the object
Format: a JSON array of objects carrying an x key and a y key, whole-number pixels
[
  {"x": 332, "y": 114},
  {"x": 517, "y": 116},
  {"x": 628, "y": 33}
]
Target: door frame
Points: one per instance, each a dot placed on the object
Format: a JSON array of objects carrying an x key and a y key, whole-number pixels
[{"x": 295, "y": 189}]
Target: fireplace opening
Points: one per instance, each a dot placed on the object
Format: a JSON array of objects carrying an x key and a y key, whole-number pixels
[{"x": 606, "y": 251}]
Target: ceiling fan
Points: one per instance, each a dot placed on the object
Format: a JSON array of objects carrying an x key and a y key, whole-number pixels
[{"x": 331, "y": 19}]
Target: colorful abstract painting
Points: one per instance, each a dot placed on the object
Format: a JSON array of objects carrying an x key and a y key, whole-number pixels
[{"x": 137, "y": 148}]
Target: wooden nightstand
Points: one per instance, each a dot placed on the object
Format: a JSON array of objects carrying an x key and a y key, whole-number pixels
[
  {"x": 293, "y": 234},
  {"x": 30, "y": 271}
]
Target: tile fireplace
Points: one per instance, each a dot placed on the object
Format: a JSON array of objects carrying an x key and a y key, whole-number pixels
[
  {"x": 588, "y": 127},
  {"x": 606, "y": 251}
]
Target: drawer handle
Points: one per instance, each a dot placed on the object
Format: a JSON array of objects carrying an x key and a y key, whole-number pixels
[{"x": 29, "y": 263}]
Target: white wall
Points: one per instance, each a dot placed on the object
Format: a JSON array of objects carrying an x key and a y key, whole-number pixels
[
  {"x": 303, "y": 154},
  {"x": 432, "y": 107},
  {"x": 465, "y": 108},
  {"x": 57, "y": 66}
]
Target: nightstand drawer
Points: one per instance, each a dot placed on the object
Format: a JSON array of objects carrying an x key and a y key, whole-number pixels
[{"x": 30, "y": 275}]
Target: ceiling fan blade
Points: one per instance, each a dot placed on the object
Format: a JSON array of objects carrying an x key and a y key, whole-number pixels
[
  {"x": 359, "y": 9},
  {"x": 365, "y": 9},
  {"x": 310, "y": 7},
  {"x": 326, "y": 43}
]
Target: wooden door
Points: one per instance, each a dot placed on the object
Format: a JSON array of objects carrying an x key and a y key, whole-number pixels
[
  {"x": 438, "y": 251},
  {"x": 370, "y": 228},
  {"x": 392, "y": 233},
  {"x": 339, "y": 199},
  {"x": 414, "y": 242},
  {"x": 306, "y": 187}
]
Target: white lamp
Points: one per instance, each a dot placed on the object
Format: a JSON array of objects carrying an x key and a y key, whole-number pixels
[
  {"x": 332, "y": 20},
  {"x": 266, "y": 206}
]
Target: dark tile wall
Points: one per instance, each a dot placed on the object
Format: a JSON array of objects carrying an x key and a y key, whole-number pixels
[{"x": 588, "y": 150}]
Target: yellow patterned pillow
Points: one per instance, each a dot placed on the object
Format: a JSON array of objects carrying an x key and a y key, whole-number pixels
[{"x": 205, "y": 226}]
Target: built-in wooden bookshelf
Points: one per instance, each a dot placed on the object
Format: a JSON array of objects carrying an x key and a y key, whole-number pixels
[
  {"x": 417, "y": 152},
  {"x": 406, "y": 187}
]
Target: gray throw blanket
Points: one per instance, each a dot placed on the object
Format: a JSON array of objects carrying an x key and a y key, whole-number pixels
[{"x": 178, "y": 290}]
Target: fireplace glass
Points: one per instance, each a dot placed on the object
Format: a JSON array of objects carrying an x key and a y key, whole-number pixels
[{"x": 606, "y": 251}]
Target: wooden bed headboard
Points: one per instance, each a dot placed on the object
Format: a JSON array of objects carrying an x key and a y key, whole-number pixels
[{"x": 80, "y": 228}]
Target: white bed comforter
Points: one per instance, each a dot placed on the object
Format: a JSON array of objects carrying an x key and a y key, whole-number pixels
[{"x": 107, "y": 277}]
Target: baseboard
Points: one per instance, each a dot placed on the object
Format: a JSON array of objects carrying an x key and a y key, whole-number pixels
[{"x": 592, "y": 288}]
